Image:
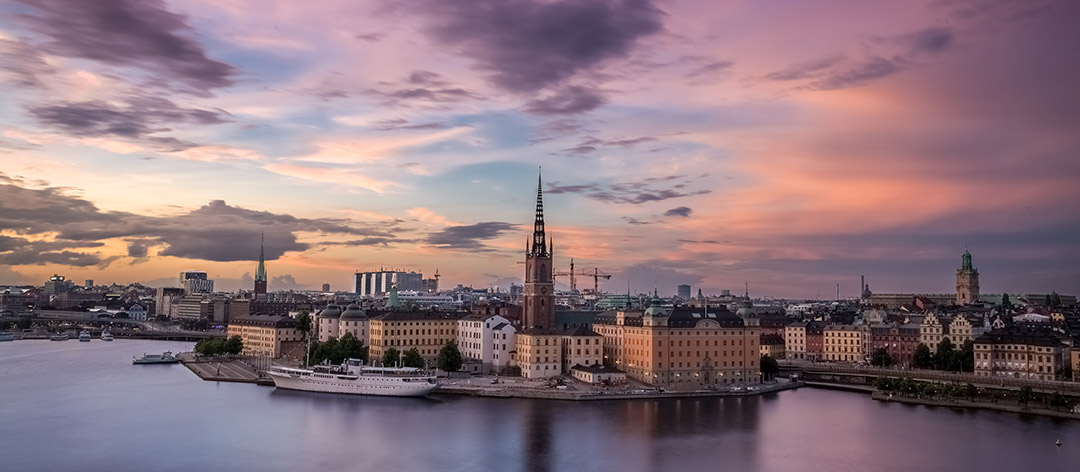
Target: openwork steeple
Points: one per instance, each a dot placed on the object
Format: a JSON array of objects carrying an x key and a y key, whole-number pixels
[
  {"x": 260, "y": 272},
  {"x": 539, "y": 240}
]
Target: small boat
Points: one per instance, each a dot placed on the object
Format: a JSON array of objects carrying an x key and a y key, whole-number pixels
[
  {"x": 106, "y": 336},
  {"x": 84, "y": 336},
  {"x": 1058, "y": 442},
  {"x": 59, "y": 337},
  {"x": 7, "y": 336},
  {"x": 166, "y": 358}
]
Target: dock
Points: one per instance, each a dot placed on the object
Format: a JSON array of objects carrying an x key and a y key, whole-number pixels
[{"x": 218, "y": 369}]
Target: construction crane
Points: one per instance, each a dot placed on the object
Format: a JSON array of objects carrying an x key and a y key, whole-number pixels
[{"x": 594, "y": 273}]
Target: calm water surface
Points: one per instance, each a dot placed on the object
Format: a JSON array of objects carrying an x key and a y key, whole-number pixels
[{"x": 83, "y": 406}]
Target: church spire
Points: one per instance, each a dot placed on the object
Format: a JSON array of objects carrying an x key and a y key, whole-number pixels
[
  {"x": 539, "y": 240},
  {"x": 260, "y": 272}
]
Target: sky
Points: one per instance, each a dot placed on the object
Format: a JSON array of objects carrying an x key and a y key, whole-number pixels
[{"x": 787, "y": 146}]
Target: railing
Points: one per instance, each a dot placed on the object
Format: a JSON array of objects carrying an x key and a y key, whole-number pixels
[{"x": 943, "y": 376}]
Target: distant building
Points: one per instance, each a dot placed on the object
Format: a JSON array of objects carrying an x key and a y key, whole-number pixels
[
  {"x": 428, "y": 331},
  {"x": 165, "y": 299},
  {"x": 843, "y": 343},
  {"x": 934, "y": 328},
  {"x": 374, "y": 284},
  {"x": 772, "y": 345},
  {"x": 57, "y": 284},
  {"x": 684, "y": 291},
  {"x": 486, "y": 339},
  {"x": 89, "y": 283},
  {"x": 432, "y": 285},
  {"x": 195, "y": 281},
  {"x": 898, "y": 340},
  {"x": 260, "y": 276},
  {"x": 599, "y": 374},
  {"x": 191, "y": 307},
  {"x": 326, "y": 288},
  {"x": 137, "y": 312}
]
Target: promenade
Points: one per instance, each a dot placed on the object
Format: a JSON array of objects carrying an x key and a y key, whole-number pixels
[{"x": 222, "y": 369}]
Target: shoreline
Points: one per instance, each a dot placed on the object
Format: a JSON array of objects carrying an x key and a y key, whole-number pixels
[{"x": 967, "y": 404}]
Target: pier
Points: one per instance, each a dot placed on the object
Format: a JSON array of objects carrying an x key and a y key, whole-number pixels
[{"x": 222, "y": 369}]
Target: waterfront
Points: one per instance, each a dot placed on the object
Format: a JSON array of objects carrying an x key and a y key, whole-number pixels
[{"x": 68, "y": 405}]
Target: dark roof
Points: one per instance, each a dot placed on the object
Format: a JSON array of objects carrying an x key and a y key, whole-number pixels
[
  {"x": 579, "y": 331},
  {"x": 1019, "y": 335},
  {"x": 500, "y": 326},
  {"x": 276, "y": 321},
  {"x": 771, "y": 339},
  {"x": 422, "y": 315}
]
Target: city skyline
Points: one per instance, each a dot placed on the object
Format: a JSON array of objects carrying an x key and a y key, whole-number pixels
[{"x": 790, "y": 147}]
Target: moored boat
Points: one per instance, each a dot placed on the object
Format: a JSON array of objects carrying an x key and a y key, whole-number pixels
[
  {"x": 106, "y": 336},
  {"x": 84, "y": 336},
  {"x": 164, "y": 358},
  {"x": 352, "y": 377},
  {"x": 7, "y": 336}
]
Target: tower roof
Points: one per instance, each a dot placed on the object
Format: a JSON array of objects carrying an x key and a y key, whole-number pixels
[
  {"x": 539, "y": 240},
  {"x": 260, "y": 272}
]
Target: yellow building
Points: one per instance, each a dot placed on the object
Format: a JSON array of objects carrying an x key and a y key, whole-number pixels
[
  {"x": 275, "y": 336},
  {"x": 427, "y": 331},
  {"x": 682, "y": 347},
  {"x": 843, "y": 343},
  {"x": 772, "y": 345},
  {"x": 581, "y": 346}
]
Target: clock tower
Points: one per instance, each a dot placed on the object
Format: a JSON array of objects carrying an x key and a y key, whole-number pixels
[{"x": 539, "y": 309}]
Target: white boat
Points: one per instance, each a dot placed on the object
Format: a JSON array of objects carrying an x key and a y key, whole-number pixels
[
  {"x": 84, "y": 336},
  {"x": 59, "y": 337},
  {"x": 352, "y": 377},
  {"x": 164, "y": 358},
  {"x": 7, "y": 336},
  {"x": 106, "y": 336}
]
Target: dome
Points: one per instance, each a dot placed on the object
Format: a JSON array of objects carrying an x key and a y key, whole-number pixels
[
  {"x": 353, "y": 312},
  {"x": 656, "y": 306},
  {"x": 331, "y": 311}
]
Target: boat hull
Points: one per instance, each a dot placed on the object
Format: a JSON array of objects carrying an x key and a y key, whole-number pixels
[
  {"x": 380, "y": 386},
  {"x": 140, "y": 361}
]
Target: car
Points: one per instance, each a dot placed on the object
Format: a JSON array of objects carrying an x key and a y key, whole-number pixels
[{"x": 494, "y": 381}]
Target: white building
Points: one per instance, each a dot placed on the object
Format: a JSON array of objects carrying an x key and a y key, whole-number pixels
[
  {"x": 137, "y": 312},
  {"x": 378, "y": 283},
  {"x": 487, "y": 339},
  {"x": 424, "y": 300}
]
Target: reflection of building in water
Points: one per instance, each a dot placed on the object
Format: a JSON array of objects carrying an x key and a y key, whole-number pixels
[{"x": 538, "y": 449}]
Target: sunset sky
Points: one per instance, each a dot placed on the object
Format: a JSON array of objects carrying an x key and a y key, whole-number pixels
[{"x": 789, "y": 145}]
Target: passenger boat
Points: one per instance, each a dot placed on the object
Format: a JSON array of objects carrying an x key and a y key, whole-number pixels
[
  {"x": 84, "y": 336},
  {"x": 59, "y": 337},
  {"x": 353, "y": 377},
  {"x": 165, "y": 358},
  {"x": 7, "y": 336},
  {"x": 106, "y": 336}
]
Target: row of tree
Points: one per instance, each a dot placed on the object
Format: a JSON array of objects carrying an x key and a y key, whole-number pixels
[
  {"x": 947, "y": 357},
  {"x": 219, "y": 346},
  {"x": 335, "y": 351},
  {"x": 909, "y": 386}
]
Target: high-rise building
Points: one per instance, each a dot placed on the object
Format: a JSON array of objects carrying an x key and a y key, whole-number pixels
[
  {"x": 326, "y": 288},
  {"x": 539, "y": 303},
  {"x": 684, "y": 291},
  {"x": 89, "y": 283},
  {"x": 195, "y": 281},
  {"x": 260, "y": 275},
  {"x": 967, "y": 281},
  {"x": 379, "y": 283},
  {"x": 57, "y": 284}
]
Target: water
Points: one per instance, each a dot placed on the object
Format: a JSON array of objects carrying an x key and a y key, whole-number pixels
[{"x": 83, "y": 406}]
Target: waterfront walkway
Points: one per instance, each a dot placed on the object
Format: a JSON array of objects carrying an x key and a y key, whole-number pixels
[
  {"x": 219, "y": 369},
  {"x": 524, "y": 388}
]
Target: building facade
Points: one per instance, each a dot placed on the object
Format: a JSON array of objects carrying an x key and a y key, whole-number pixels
[
  {"x": 899, "y": 340},
  {"x": 795, "y": 341},
  {"x": 1021, "y": 353},
  {"x": 486, "y": 339},
  {"x": 268, "y": 335},
  {"x": 427, "y": 331},
  {"x": 843, "y": 343},
  {"x": 933, "y": 329},
  {"x": 379, "y": 283}
]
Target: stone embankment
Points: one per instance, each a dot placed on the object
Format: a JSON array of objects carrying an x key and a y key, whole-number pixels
[
  {"x": 216, "y": 369},
  {"x": 981, "y": 405},
  {"x": 535, "y": 391}
]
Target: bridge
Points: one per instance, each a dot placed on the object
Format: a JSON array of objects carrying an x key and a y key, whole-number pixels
[{"x": 865, "y": 376}]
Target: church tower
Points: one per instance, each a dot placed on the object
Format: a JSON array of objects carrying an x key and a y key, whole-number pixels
[
  {"x": 260, "y": 275},
  {"x": 967, "y": 281},
  {"x": 539, "y": 309}
]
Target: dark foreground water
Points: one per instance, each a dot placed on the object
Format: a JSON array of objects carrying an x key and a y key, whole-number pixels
[{"x": 83, "y": 406}]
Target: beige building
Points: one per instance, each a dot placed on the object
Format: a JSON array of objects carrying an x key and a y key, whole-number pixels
[
  {"x": 966, "y": 328},
  {"x": 684, "y": 347},
  {"x": 274, "y": 336},
  {"x": 427, "y": 331},
  {"x": 795, "y": 341},
  {"x": 538, "y": 354},
  {"x": 933, "y": 329},
  {"x": 599, "y": 374},
  {"x": 772, "y": 345},
  {"x": 1020, "y": 354},
  {"x": 581, "y": 346},
  {"x": 844, "y": 343}
]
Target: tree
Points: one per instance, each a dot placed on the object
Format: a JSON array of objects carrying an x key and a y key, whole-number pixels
[
  {"x": 213, "y": 346},
  {"x": 303, "y": 323},
  {"x": 23, "y": 323},
  {"x": 391, "y": 357},
  {"x": 944, "y": 353},
  {"x": 235, "y": 345},
  {"x": 907, "y": 385},
  {"x": 922, "y": 359},
  {"x": 450, "y": 357},
  {"x": 5, "y": 325},
  {"x": 1054, "y": 300},
  {"x": 413, "y": 359},
  {"x": 967, "y": 356},
  {"x": 881, "y": 358},
  {"x": 349, "y": 347},
  {"x": 884, "y": 384},
  {"x": 769, "y": 367},
  {"x": 1026, "y": 395},
  {"x": 1006, "y": 304},
  {"x": 1057, "y": 400},
  {"x": 970, "y": 391}
]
